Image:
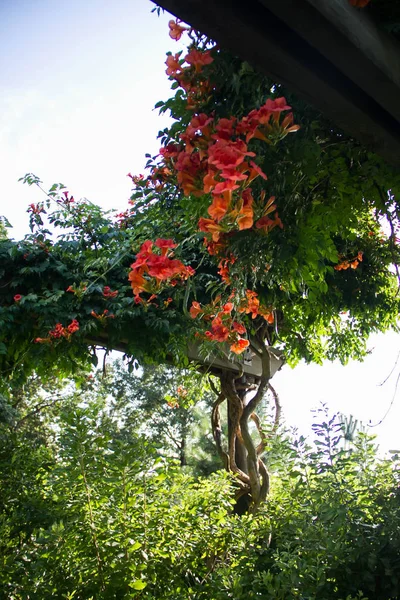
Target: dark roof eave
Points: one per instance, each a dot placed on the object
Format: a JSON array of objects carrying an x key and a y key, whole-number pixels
[{"x": 333, "y": 56}]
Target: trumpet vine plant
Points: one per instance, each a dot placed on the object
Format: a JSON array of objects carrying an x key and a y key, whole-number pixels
[{"x": 259, "y": 227}]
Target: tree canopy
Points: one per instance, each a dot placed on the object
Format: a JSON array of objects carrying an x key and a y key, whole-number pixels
[{"x": 259, "y": 225}]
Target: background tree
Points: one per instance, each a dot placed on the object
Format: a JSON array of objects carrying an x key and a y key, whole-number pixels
[{"x": 170, "y": 407}]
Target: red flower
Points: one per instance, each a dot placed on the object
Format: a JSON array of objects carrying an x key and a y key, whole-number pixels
[
  {"x": 188, "y": 272},
  {"x": 215, "y": 248},
  {"x": 136, "y": 178},
  {"x": 197, "y": 58},
  {"x": 255, "y": 171},
  {"x": 219, "y": 332},
  {"x": 287, "y": 125},
  {"x": 267, "y": 224},
  {"x": 189, "y": 167},
  {"x": 199, "y": 123},
  {"x": 210, "y": 226},
  {"x": 138, "y": 282},
  {"x": 223, "y": 270},
  {"x": 170, "y": 151},
  {"x": 238, "y": 327},
  {"x": 240, "y": 346},
  {"x": 233, "y": 173},
  {"x": 57, "y": 332},
  {"x": 277, "y": 105},
  {"x": 225, "y": 186},
  {"x": 107, "y": 293},
  {"x": 162, "y": 267},
  {"x": 246, "y": 214},
  {"x": 227, "y": 308},
  {"x": 227, "y": 154},
  {"x": 268, "y": 315},
  {"x": 217, "y": 210},
  {"x": 188, "y": 163},
  {"x": 224, "y": 129},
  {"x": 251, "y": 304},
  {"x": 165, "y": 245},
  {"x": 248, "y": 125},
  {"x": 209, "y": 182},
  {"x": 173, "y": 403},
  {"x": 73, "y": 326},
  {"x": 175, "y": 30},
  {"x": 102, "y": 318},
  {"x": 173, "y": 66},
  {"x": 195, "y": 309},
  {"x": 145, "y": 249},
  {"x": 17, "y": 297}
]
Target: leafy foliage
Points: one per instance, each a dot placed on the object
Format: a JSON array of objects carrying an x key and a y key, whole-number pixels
[
  {"x": 88, "y": 510},
  {"x": 332, "y": 200}
]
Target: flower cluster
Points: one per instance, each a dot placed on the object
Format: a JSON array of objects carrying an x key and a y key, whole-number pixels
[
  {"x": 212, "y": 157},
  {"x": 351, "y": 263},
  {"x": 108, "y": 293},
  {"x": 65, "y": 199},
  {"x": 212, "y": 160},
  {"x": 250, "y": 305},
  {"x": 223, "y": 328},
  {"x": 36, "y": 209},
  {"x": 60, "y": 332},
  {"x": 151, "y": 268},
  {"x": 190, "y": 77}
]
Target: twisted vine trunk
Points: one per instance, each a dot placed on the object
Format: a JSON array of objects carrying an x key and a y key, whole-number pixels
[{"x": 242, "y": 456}]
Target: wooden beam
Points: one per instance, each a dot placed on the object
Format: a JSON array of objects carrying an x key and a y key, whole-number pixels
[
  {"x": 248, "y": 362},
  {"x": 351, "y": 42},
  {"x": 333, "y": 56}
]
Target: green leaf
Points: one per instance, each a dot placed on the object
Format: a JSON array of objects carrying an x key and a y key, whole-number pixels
[{"x": 138, "y": 584}]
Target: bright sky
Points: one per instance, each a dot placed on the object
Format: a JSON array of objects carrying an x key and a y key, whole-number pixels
[{"x": 78, "y": 84}]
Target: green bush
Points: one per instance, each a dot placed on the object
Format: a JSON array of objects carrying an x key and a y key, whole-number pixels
[{"x": 89, "y": 510}]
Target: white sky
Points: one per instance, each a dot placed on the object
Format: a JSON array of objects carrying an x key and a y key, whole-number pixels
[{"x": 78, "y": 82}]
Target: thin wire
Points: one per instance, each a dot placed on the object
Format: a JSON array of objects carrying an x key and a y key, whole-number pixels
[
  {"x": 391, "y": 372},
  {"x": 390, "y": 405}
]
